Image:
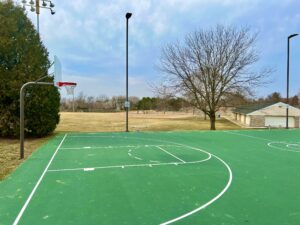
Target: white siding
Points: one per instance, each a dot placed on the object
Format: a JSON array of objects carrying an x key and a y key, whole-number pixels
[
  {"x": 248, "y": 119},
  {"x": 279, "y": 121},
  {"x": 243, "y": 118}
]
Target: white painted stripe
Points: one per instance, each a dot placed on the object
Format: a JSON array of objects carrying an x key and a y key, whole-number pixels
[
  {"x": 271, "y": 145},
  {"x": 210, "y": 155},
  {"x": 294, "y": 146},
  {"x": 37, "y": 184},
  {"x": 246, "y": 135},
  {"x": 154, "y": 161},
  {"x": 134, "y": 165},
  {"x": 170, "y": 154},
  {"x": 89, "y": 169},
  {"x": 212, "y": 200},
  {"x": 120, "y": 146},
  {"x": 138, "y": 158}
]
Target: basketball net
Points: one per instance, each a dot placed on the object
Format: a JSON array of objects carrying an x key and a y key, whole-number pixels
[{"x": 70, "y": 89}]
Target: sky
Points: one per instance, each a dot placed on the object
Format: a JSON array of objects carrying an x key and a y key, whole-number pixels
[{"x": 88, "y": 36}]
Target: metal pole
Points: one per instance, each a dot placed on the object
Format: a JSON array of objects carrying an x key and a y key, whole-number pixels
[
  {"x": 37, "y": 10},
  {"x": 288, "y": 79},
  {"x": 38, "y": 23},
  {"x": 287, "y": 83},
  {"x": 128, "y": 15},
  {"x": 22, "y": 121},
  {"x": 73, "y": 103},
  {"x": 126, "y": 74},
  {"x": 22, "y": 91}
]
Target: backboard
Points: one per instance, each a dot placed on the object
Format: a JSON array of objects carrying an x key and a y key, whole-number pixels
[{"x": 57, "y": 71}]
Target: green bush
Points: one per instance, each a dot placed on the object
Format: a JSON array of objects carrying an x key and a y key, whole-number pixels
[{"x": 24, "y": 58}]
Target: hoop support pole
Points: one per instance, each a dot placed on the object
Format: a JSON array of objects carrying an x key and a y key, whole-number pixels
[{"x": 22, "y": 91}]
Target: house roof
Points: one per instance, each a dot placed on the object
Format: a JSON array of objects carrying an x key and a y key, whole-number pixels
[{"x": 246, "y": 109}]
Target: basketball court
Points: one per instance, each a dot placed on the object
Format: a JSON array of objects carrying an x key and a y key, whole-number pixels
[{"x": 222, "y": 177}]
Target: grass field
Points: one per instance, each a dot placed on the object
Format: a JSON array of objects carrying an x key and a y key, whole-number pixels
[
  {"x": 146, "y": 178},
  {"x": 10, "y": 153},
  {"x": 99, "y": 122}
]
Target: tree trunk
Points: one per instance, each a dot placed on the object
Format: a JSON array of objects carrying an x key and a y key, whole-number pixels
[{"x": 212, "y": 118}]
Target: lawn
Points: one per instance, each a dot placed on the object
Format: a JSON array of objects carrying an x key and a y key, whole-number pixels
[
  {"x": 107, "y": 122},
  {"x": 10, "y": 152}
]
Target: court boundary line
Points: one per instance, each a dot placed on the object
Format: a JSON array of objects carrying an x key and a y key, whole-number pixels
[
  {"x": 174, "y": 156},
  {"x": 213, "y": 199},
  {"x": 132, "y": 165},
  {"x": 19, "y": 216},
  {"x": 292, "y": 146},
  {"x": 196, "y": 149},
  {"x": 270, "y": 144},
  {"x": 116, "y": 146},
  {"x": 246, "y": 135},
  {"x": 222, "y": 161}
]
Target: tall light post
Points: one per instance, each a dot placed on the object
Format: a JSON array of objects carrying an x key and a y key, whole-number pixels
[
  {"x": 127, "y": 104},
  {"x": 288, "y": 79},
  {"x": 36, "y": 6}
]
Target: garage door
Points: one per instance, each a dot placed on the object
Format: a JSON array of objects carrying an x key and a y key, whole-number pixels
[{"x": 278, "y": 121}]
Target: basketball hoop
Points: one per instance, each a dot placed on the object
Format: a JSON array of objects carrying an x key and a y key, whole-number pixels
[{"x": 69, "y": 86}]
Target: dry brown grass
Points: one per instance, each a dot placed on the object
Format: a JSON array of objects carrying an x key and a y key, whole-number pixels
[
  {"x": 97, "y": 122},
  {"x": 10, "y": 153}
]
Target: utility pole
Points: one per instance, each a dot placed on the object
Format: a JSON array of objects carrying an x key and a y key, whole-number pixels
[
  {"x": 127, "y": 104},
  {"x": 288, "y": 79},
  {"x": 35, "y": 7}
]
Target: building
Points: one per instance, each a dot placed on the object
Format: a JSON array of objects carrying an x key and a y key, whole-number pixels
[{"x": 267, "y": 115}]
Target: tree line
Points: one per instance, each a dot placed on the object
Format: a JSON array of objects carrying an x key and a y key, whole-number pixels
[
  {"x": 104, "y": 103},
  {"x": 162, "y": 103}
]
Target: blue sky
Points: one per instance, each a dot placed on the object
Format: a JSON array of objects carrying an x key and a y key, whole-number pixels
[{"x": 89, "y": 38}]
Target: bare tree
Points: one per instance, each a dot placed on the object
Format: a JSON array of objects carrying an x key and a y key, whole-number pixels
[
  {"x": 163, "y": 95},
  {"x": 210, "y": 64}
]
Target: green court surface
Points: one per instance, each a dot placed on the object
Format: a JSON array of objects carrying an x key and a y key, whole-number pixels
[{"x": 149, "y": 178}]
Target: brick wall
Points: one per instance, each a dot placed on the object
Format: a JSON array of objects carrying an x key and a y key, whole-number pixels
[
  {"x": 257, "y": 121},
  {"x": 297, "y": 121}
]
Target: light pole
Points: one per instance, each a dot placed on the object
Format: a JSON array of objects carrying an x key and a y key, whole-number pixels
[
  {"x": 35, "y": 7},
  {"x": 127, "y": 104},
  {"x": 288, "y": 79}
]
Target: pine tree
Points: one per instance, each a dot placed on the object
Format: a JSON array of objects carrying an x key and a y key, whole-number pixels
[{"x": 24, "y": 58}]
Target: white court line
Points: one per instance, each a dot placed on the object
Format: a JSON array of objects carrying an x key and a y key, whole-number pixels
[
  {"x": 120, "y": 146},
  {"x": 88, "y": 169},
  {"x": 170, "y": 154},
  {"x": 94, "y": 136},
  {"x": 213, "y": 199},
  {"x": 246, "y": 135},
  {"x": 271, "y": 145},
  {"x": 210, "y": 155},
  {"x": 294, "y": 146},
  {"x": 37, "y": 184},
  {"x": 134, "y": 165}
]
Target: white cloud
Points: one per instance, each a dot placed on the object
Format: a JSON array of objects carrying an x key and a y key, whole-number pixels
[
  {"x": 89, "y": 36},
  {"x": 110, "y": 85}
]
